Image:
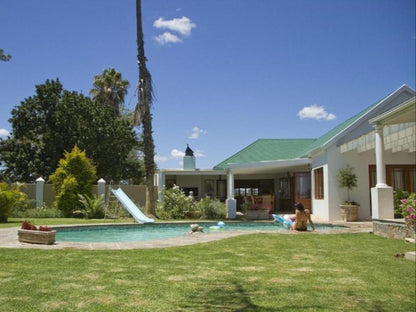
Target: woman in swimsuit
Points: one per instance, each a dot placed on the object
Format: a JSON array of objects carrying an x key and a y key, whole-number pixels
[{"x": 302, "y": 217}]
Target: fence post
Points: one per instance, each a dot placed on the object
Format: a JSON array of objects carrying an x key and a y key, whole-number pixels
[
  {"x": 40, "y": 183},
  {"x": 100, "y": 187}
]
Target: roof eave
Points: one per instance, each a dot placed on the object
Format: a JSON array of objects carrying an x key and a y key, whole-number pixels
[{"x": 349, "y": 127}]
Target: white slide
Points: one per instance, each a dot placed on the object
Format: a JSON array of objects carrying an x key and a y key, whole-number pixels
[{"x": 131, "y": 207}]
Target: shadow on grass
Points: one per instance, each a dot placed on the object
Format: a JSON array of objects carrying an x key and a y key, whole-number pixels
[{"x": 221, "y": 297}]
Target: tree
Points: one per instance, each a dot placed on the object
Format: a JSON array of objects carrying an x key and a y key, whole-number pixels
[
  {"x": 143, "y": 116},
  {"x": 54, "y": 120},
  {"x": 110, "y": 89},
  {"x": 4, "y": 57},
  {"x": 347, "y": 179},
  {"x": 74, "y": 176}
]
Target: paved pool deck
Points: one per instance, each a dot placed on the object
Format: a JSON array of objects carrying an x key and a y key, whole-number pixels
[{"x": 9, "y": 239}]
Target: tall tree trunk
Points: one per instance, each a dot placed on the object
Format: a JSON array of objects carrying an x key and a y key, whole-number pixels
[{"x": 143, "y": 115}]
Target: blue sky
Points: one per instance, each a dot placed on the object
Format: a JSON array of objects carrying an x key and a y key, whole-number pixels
[{"x": 225, "y": 72}]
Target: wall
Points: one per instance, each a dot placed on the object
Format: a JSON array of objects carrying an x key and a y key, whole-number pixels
[
  {"x": 392, "y": 229},
  {"x": 137, "y": 193},
  {"x": 328, "y": 209}
]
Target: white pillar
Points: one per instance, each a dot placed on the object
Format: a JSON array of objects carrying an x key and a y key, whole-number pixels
[
  {"x": 382, "y": 206},
  {"x": 381, "y": 175},
  {"x": 231, "y": 202},
  {"x": 40, "y": 183},
  {"x": 160, "y": 182},
  {"x": 101, "y": 187}
]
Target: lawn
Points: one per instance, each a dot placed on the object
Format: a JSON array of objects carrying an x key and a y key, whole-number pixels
[{"x": 256, "y": 272}]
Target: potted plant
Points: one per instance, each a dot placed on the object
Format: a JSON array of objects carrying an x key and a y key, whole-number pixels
[
  {"x": 36, "y": 235},
  {"x": 347, "y": 179}
]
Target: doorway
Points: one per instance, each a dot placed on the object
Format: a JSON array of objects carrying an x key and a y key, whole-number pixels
[{"x": 303, "y": 189}]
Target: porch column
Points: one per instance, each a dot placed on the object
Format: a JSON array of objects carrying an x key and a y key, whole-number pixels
[
  {"x": 381, "y": 175},
  {"x": 231, "y": 202},
  {"x": 160, "y": 182},
  {"x": 381, "y": 194}
]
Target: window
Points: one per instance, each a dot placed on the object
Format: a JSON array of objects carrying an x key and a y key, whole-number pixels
[
  {"x": 303, "y": 185},
  {"x": 319, "y": 183},
  {"x": 400, "y": 177}
]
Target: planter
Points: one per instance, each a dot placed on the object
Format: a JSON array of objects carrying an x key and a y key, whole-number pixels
[
  {"x": 349, "y": 212},
  {"x": 36, "y": 237},
  {"x": 257, "y": 214}
]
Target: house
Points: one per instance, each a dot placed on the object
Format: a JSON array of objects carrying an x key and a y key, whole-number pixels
[{"x": 378, "y": 142}]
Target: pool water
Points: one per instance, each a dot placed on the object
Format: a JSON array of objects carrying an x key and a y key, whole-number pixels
[{"x": 146, "y": 232}]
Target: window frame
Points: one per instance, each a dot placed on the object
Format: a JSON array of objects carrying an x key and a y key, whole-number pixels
[{"x": 318, "y": 175}]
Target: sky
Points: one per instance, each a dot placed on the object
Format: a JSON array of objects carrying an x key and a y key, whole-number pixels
[{"x": 225, "y": 72}]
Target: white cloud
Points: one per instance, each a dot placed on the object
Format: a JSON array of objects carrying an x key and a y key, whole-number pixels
[
  {"x": 181, "y": 25},
  {"x": 159, "y": 158},
  {"x": 199, "y": 153},
  {"x": 4, "y": 133},
  {"x": 167, "y": 37},
  {"x": 175, "y": 153},
  {"x": 315, "y": 112},
  {"x": 196, "y": 131}
]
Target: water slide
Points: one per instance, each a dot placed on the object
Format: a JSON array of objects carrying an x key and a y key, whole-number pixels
[{"x": 131, "y": 207}]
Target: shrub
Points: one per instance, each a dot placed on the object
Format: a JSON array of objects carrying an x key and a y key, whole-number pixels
[
  {"x": 398, "y": 197},
  {"x": 408, "y": 206},
  {"x": 44, "y": 212},
  {"x": 75, "y": 175},
  {"x": 9, "y": 197},
  {"x": 29, "y": 226},
  {"x": 93, "y": 206},
  {"x": 20, "y": 208},
  {"x": 347, "y": 179},
  {"x": 212, "y": 208},
  {"x": 176, "y": 205}
]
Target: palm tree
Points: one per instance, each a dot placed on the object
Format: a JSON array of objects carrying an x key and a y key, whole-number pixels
[
  {"x": 110, "y": 89},
  {"x": 143, "y": 116},
  {"x": 4, "y": 57}
]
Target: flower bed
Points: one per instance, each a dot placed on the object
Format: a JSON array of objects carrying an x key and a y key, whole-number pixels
[{"x": 36, "y": 235}]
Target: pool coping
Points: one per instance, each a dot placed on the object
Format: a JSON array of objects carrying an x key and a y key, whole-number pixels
[{"x": 9, "y": 239}]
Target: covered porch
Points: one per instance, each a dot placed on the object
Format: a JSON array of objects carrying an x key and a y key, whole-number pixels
[{"x": 268, "y": 186}]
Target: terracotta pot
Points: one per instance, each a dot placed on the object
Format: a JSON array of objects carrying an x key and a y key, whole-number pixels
[{"x": 349, "y": 212}]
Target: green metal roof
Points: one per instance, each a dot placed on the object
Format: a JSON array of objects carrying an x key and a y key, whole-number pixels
[
  {"x": 267, "y": 150},
  {"x": 283, "y": 149}
]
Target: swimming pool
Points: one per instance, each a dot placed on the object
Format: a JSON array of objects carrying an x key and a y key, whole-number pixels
[{"x": 147, "y": 232}]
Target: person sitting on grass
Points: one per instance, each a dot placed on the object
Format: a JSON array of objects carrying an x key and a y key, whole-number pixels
[{"x": 302, "y": 217}]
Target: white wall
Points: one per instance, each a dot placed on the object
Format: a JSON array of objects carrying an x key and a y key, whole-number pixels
[{"x": 328, "y": 208}]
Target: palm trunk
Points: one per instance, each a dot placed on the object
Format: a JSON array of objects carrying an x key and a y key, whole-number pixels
[{"x": 144, "y": 116}]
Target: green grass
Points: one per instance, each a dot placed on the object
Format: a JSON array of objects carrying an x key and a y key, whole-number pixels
[{"x": 256, "y": 272}]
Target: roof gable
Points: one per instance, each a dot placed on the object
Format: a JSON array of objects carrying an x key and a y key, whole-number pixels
[{"x": 342, "y": 129}]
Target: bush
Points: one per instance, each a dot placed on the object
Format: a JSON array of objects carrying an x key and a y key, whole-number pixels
[
  {"x": 176, "y": 205},
  {"x": 10, "y": 196},
  {"x": 398, "y": 197},
  {"x": 93, "y": 206},
  {"x": 44, "y": 212},
  {"x": 408, "y": 206},
  {"x": 19, "y": 208},
  {"x": 212, "y": 208},
  {"x": 347, "y": 179},
  {"x": 75, "y": 175}
]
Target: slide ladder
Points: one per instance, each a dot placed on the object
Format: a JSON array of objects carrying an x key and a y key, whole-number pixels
[{"x": 131, "y": 207}]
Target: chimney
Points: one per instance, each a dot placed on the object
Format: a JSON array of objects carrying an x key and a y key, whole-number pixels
[{"x": 189, "y": 159}]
